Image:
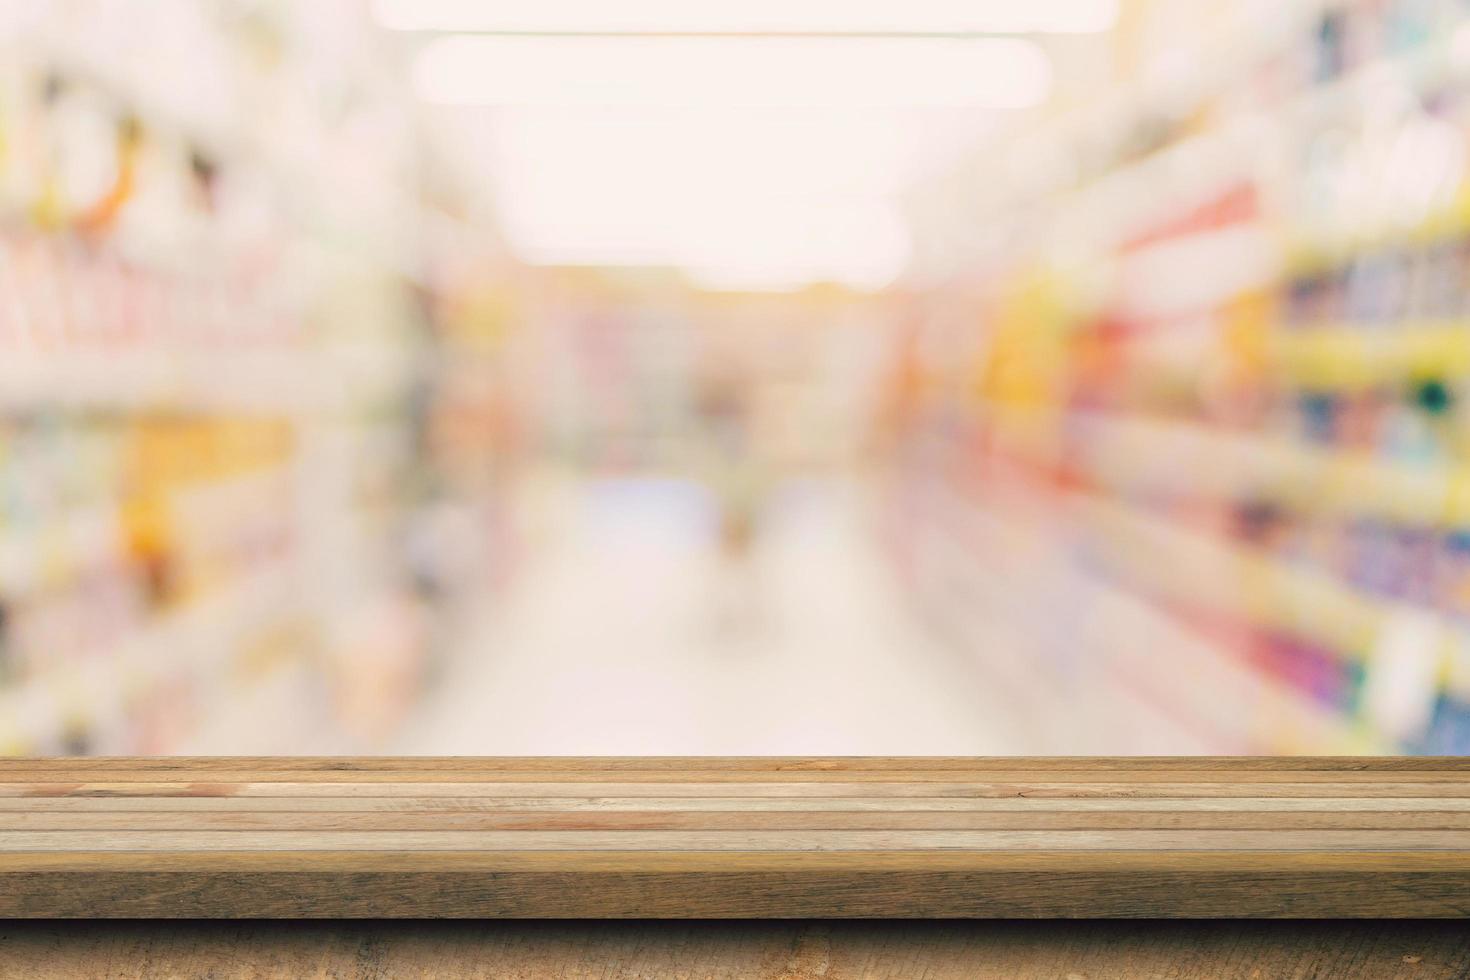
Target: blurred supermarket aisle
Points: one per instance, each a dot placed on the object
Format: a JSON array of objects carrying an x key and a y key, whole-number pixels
[
  {"x": 626, "y": 632},
  {"x": 1095, "y": 377},
  {"x": 623, "y": 635}
]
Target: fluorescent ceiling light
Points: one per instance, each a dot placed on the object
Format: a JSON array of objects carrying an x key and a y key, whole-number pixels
[
  {"x": 760, "y": 198},
  {"x": 1006, "y": 73},
  {"x": 751, "y": 16}
]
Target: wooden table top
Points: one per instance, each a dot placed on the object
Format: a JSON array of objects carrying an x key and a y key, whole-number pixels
[{"x": 734, "y": 837}]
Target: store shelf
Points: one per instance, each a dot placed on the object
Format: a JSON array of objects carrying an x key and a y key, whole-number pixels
[
  {"x": 79, "y": 538},
  {"x": 199, "y": 639},
  {"x": 1335, "y": 357},
  {"x": 1199, "y": 569},
  {"x": 1190, "y": 460},
  {"x": 1100, "y": 207},
  {"x": 1195, "y": 687},
  {"x": 1218, "y": 338},
  {"x": 1189, "y": 166},
  {"x": 1191, "y": 678},
  {"x": 285, "y": 382}
]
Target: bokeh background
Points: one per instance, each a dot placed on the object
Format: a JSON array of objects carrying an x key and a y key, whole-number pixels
[{"x": 1077, "y": 376}]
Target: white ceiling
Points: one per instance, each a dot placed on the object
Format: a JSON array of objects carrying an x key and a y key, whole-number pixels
[{"x": 760, "y": 162}]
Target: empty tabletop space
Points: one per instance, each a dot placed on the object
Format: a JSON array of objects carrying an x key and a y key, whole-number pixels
[{"x": 734, "y": 837}]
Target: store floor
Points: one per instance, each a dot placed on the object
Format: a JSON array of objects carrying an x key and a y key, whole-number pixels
[{"x": 624, "y": 634}]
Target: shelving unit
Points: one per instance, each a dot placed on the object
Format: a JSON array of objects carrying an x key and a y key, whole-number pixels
[
  {"x": 209, "y": 329},
  {"x": 1223, "y": 342}
]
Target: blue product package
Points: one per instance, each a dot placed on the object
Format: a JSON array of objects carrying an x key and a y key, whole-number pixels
[
  {"x": 1319, "y": 412},
  {"x": 1330, "y": 45}
]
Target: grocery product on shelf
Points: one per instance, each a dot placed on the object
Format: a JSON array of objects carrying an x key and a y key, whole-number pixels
[
  {"x": 210, "y": 219},
  {"x": 1230, "y": 361}
]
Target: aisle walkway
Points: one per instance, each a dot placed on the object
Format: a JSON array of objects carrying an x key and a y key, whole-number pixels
[{"x": 620, "y": 637}]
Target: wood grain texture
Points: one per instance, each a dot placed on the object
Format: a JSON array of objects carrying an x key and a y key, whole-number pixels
[
  {"x": 707, "y": 837},
  {"x": 770, "y": 950}
]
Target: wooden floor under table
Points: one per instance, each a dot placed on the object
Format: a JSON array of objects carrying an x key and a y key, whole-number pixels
[{"x": 735, "y": 837}]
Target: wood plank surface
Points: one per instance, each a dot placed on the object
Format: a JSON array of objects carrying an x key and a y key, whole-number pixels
[
  {"x": 712, "y": 837},
  {"x": 763, "y": 950}
]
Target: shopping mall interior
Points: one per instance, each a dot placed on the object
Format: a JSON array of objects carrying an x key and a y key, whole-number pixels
[{"x": 805, "y": 377}]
